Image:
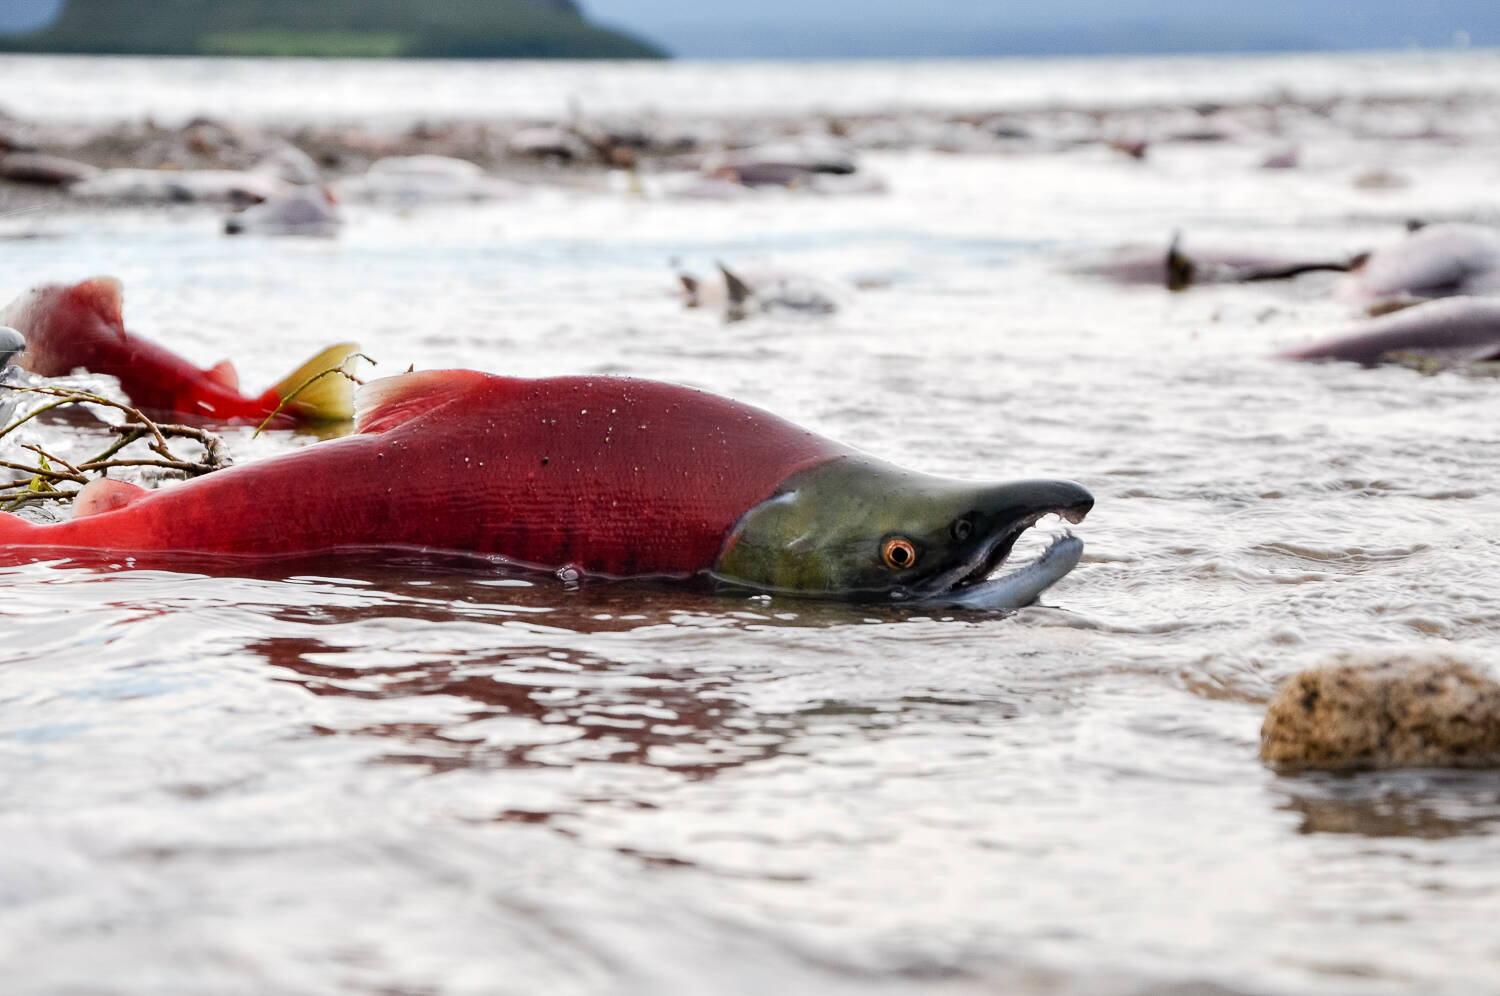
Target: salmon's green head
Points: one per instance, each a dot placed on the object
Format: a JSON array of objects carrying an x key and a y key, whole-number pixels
[{"x": 861, "y": 529}]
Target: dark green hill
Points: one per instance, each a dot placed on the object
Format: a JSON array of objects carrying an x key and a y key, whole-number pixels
[{"x": 416, "y": 28}]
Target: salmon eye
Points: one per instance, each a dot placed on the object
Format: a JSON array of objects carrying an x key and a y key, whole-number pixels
[{"x": 898, "y": 553}]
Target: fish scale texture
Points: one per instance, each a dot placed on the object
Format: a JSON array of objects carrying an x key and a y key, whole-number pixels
[{"x": 614, "y": 476}]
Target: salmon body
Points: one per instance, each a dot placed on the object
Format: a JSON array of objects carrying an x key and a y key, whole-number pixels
[
  {"x": 1456, "y": 329},
  {"x": 613, "y": 477},
  {"x": 1446, "y": 260},
  {"x": 82, "y": 327}
]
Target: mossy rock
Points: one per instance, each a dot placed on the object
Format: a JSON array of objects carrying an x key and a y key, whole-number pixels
[{"x": 1386, "y": 711}]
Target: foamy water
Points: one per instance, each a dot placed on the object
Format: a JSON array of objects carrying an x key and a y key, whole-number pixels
[{"x": 418, "y": 779}]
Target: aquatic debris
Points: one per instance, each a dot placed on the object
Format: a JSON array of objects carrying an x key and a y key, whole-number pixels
[
  {"x": 783, "y": 164},
  {"x": 556, "y": 142},
  {"x": 1396, "y": 710},
  {"x": 1380, "y": 179},
  {"x": 1430, "y": 366},
  {"x": 48, "y": 479}
]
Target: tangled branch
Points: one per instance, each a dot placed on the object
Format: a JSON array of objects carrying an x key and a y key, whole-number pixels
[{"x": 44, "y": 480}]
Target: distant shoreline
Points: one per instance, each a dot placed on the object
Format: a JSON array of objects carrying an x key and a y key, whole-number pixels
[
  {"x": 287, "y": 28},
  {"x": 374, "y": 48},
  {"x": 740, "y": 60}
]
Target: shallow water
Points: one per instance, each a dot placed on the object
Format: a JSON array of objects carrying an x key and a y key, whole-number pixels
[{"x": 419, "y": 778}]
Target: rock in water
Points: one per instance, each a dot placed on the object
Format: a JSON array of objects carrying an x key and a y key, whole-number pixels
[{"x": 1385, "y": 711}]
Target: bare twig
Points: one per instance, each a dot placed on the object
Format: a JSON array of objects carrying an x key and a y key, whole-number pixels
[
  {"x": 42, "y": 480},
  {"x": 73, "y": 472},
  {"x": 15, "y": 499},
  {"x": 73, "y": 396}
]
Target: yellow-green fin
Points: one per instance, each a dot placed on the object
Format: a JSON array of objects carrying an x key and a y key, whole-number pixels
[{"x": 315, "y": 391}]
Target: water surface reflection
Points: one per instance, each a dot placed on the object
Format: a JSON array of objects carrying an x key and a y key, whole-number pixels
[{"x": 1426, "y": 805}]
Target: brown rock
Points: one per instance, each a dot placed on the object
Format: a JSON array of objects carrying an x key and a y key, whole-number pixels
[{"x": 1385, "y": 711}]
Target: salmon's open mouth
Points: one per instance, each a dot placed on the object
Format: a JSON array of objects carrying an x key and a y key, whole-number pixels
[{"x": 982, "y": 582}]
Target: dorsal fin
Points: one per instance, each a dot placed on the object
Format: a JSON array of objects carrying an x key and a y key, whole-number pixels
[
  {"x": 386, "y": 403},
  {"x": 103, "y": 495},
  {"x": 739, "y": 291},
  {"x": 225, "y": 374},
  {"x": 690, "y": 288}
]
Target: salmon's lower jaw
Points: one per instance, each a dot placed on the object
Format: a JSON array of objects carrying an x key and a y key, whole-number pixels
[{"x": 1019, "y": 588}]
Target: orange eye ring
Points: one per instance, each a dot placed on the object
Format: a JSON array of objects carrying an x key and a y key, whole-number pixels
[{"x": 898, "y": 553}]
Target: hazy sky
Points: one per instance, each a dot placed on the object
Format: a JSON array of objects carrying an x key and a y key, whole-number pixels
[
  {"x": 21, "y": 15},
  {"x": 936, "y": 27}
]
